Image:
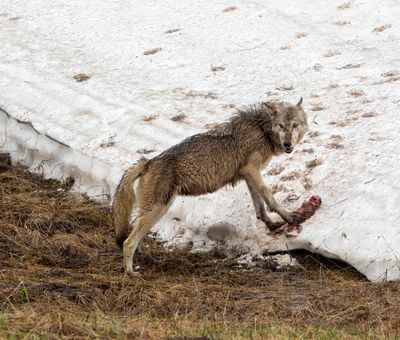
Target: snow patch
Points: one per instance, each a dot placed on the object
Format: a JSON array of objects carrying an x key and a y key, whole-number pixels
[{"x": 95, "y": 128}]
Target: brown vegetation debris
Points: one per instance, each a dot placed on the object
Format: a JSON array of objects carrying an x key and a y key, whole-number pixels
[
  {"x": 332, "y": 53},
  {"x": 210, "y": 126},
  {"x": 275, "y": 170},
  {"x": 368, "y": 114},
  {"x": 317, "y": 107},
  {"x": 80, "y": 77},
  {"x": 152, "y": 51},
  {"x": 178, "y": 118},
  {"x": 229, "y": 106},
  {"x": 291, "y": 176},
  {"x": 332, "y": 86},
  {"x": 145, "y": 151},
  {"x": 349, "y": 66},
  {"x": 210, "y": 95},
  {"x": 341, "y": 23},
  {"x": 229, "y": 9},
  {"x": 300, "y": 35},
  {"x": 345, "y": 5},
  {"x": 313, "y": 134},
  {"x": 172, "y": 30},
  {"x": 314, "y": 163},
  {"x": 387, "y": 80},
  {"x": 16, "y": 18},
  {"x": 356, "y": 93},
  {"x": 217, "y": 68},
  {"x": 317, "y": 67},
  {"x": 149, "y": 118},
  {"x": 391, "y": 73},
  {"x": 382, "y": 28},
  {"x": 107, "y": 144},
  {"x": 285, "y": 88}
]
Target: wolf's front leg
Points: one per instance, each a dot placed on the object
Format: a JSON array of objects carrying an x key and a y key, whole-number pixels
[
  {"x": 253, "y": 178},
  {"x": 259, "y": 207}
]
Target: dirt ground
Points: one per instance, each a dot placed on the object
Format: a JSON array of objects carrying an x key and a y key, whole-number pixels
[{"x": 61, "y": 276}]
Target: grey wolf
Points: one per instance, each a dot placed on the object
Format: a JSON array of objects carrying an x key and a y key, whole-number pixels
[{"x": 234, "y": 151}]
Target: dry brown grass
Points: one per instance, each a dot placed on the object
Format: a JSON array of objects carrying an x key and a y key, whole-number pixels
[{"x": 62, "y": 277}]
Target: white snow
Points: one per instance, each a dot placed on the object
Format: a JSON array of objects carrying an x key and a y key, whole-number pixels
[{"x": 342, "y": 57}]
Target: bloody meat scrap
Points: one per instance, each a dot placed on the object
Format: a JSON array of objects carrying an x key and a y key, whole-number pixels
[{"x": 307, "y": 209}]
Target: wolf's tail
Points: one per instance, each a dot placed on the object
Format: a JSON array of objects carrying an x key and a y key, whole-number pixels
[{"x": 124, "y": 200}]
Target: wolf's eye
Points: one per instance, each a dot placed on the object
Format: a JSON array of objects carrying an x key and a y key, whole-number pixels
[
  {"x": 281, "y": 126},
  {"x": 295, "y": 125}
]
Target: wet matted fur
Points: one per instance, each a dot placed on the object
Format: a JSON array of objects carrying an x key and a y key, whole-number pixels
[{"x": 203, "y": 163}]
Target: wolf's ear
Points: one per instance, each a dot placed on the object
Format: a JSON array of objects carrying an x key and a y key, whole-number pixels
[
  {"x": 300, "y": 102},
  {"x": 272, "y": 107}
]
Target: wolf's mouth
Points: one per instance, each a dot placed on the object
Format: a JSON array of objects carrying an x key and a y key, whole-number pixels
[{"x": 288, "y": 150}]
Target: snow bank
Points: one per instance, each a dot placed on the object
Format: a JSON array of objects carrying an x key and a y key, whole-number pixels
[{"x": 150, "y": 62}]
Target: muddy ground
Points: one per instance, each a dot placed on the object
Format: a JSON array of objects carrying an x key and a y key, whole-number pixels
[{"x": 61, "y": 276}]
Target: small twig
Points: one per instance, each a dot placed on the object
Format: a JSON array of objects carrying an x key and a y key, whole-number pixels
[
  {"x": 290, "y": 255},
  {"x": 370, "y": 180},
  {"x": 338, "y": 202},
  {"x": 12, "y": 293},
  {"x": 252, "y": 48},
  {"x": 314, "y": 119}
]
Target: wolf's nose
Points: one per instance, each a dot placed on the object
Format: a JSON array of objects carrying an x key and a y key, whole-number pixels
[{"x": 287, "y": 144}]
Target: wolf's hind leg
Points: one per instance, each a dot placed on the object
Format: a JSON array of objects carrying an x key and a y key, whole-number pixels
[
  {"x": 142, "y": 224},
  {"x": 259, "y": 207}
]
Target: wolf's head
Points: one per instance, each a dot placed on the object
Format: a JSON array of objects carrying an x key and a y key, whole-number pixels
[{"x": 288, "y": 124}]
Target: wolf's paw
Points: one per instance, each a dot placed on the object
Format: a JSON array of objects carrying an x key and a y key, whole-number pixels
[
  {"x": 275, "y": 225},
  {"x": 294, "y": 218},
  {"x": 131, "y": 274}
]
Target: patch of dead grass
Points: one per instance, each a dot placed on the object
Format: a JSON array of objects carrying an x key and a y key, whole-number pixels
[{"x": 62, "y": 277}]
